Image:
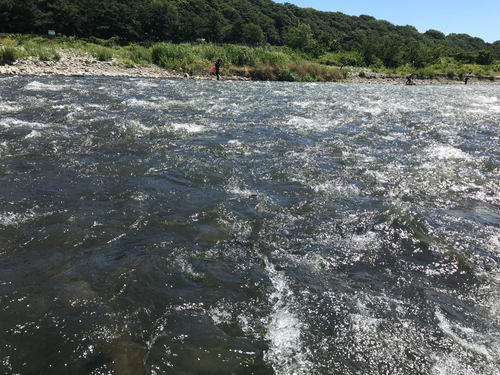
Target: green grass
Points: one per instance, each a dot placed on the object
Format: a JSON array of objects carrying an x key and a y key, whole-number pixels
[
  {"x": 8, "y": 53},
  {"x": 101, "y": 53}
]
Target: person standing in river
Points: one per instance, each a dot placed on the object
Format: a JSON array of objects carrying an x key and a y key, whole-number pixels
[
  {"x": 409, "y": 79},
  {"x": 217, "y": 67}
]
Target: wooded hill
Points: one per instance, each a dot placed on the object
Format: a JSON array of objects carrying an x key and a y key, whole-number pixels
[{"x": 362, "y": 41}]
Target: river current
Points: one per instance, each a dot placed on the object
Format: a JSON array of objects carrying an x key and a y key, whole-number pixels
[{"x": 191, "y": 227}]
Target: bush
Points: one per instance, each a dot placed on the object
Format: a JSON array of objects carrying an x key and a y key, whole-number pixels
[
  {"x": 239, "y": 55},
  {"x": 8, "y": 54},
  {"x": 102, "y": 53},
  {"x": 172, "y": 56},
  {"x": 286, "y": 75},
  {"x": 35, "y": 48},
  {"x": 128, "y": 64},
  {"x": 8, "y": 42},
  {"x": 349, "y": 58},
  {"x": 47, "y": 54},
  {"x": 138, "y": 54},
  {"x": 111, "y": 42},
  {"x": 427, "y": 72},
  {"x": 485, "y": 57}
]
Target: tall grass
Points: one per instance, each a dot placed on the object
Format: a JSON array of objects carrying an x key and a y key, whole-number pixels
[
  {"x": 100, "y": 53},
  {"x": 255, "y": 63},
  {"x": 44, "y": 53},
  {"x": 137, "y": 54},
  {"x": 8, "y": 54}
]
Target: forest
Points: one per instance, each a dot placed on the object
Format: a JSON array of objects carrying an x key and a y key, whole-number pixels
[{"x": 330, "y": 38}]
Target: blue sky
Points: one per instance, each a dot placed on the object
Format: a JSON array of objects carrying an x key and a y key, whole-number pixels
[{"x": 479, "y": 18}]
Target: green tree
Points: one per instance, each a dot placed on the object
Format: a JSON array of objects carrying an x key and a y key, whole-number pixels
[
  {"x": 253, "y": 34},
  {"x": 417, "y": 54},
  {"x": 485, "y": 57},
  {"x": 390, "y": 51},
  {"x": 299, "y": 37},
  {"x": 434, "y": 34}
]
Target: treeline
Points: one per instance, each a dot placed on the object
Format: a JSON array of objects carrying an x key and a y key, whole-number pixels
[{"x": 329, "y": 37}]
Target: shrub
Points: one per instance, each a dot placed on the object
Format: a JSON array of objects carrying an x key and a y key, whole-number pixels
[
  {"x": 285, "y": 74},
  {"x": 128, "y": 63},
  {"x": 102, "y": 53},
  {"x": 8, "y": 53},
  {"x": 239, "y": 55},
  {"x": 172, "y": 56},
  {"x": 349, "y": 58},
  {"x": 485, "y": 57},
  {"x": 427, "y": 72},
  {"x": 33, "y": 47},
  {"x": 138, "y": 54},
  {"x": 47, "y": 54},
  {"x": 8, "y": 42}
]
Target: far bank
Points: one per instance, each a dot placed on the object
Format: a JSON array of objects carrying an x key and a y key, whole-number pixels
[{"x": 78, "y": 62}]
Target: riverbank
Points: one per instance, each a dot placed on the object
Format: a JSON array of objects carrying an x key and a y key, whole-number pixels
[
  {"x": 438, "y": 79},
  {"x": 73, "y": 63}
]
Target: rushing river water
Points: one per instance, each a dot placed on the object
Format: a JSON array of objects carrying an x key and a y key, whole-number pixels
[{"x": 201, "y": 227}]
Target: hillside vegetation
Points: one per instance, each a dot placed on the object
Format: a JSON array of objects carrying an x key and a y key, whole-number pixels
[{"x": 256, "y": 37}]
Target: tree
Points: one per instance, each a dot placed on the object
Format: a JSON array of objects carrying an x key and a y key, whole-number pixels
[
  {"x": 485, "y": 57},
  {"x": 417, "y": 54},
  {"x": 298, "y": 37},
  {"x": 253, "y": 34},
  {"x": 390, "y": 51},
  {"x": 434, "y": 34}
]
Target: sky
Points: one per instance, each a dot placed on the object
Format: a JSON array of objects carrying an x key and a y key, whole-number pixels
[{"x": 480, "y": 18}]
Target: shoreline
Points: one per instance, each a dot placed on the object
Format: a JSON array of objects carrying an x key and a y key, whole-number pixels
[{"x": 81, "y": 65}]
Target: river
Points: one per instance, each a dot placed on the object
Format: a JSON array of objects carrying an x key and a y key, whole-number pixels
[{"x": 156, "y": 226}]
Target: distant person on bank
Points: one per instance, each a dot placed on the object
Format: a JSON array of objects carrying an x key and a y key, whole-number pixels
[{"x": 217, "y": 67}]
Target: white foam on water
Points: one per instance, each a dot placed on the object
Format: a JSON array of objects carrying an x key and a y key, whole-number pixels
[
  {"x": 15, "y": 219},
  {"x": 39, "y": 86},
  {"x": 336, "y": 190},
  {"x": 7, "y": 107},
  {"x": 136, "y": 127},
  {"x": 451, "y": 365},
  {"x": 188, "y": 128},
  {"x": 444, "y": 152},
  {"x": 13, "y": 122},
  {"x": 235, "y": 142},
  {"x": 301, "y": 122},
  {"x": 483, "y": 344},
  {"x": 77, "y": 111},
  {"x": 133, "y": 102},
  {"x": 374, "y": 109},
  {"x": 309, "y": 124},
  {"x": 146, "y": 83},
  {"x": 477, "y": 111},
  {"x": 245, "y": 193},
  {"x": 493, "y": 243},
  {"x": 287, "y": 353},
  {"x": 304, "y": 104},
  {"x": 219, "y": 315},
  {"x": 33, "y": 134},
  {"x": 235, "y": 146},
  {"x": 78, "y": 107},
  {"x": 480, "y": 99}
]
